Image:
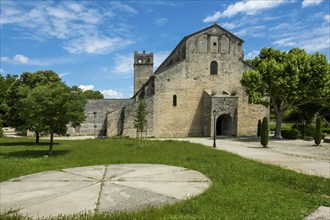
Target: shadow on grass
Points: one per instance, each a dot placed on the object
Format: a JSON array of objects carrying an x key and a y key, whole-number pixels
[
  {"x": 34, "y": 153},
  {"x": 25, "y": 144}
]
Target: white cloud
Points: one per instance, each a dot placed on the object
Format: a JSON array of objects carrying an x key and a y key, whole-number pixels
[
  {"x": 124, "y": 64},
  {"x": 249, "y": 7},
  {"x": 21, "y": 58},
  {"x": 309, "y": 3},
  {"x": 1, "y": 70},
  {"x": 86, "y": 87},
  {"x": 229, "y": 25},
  {"x": 96, "y": 44},
  {"x": 327, "y": 18},
  {"x": 313, "y": 40},
  {"x": 5, "y": 59},
  {"x": 111, "y": 94},
  {"x": 123, "y": 7},
  {"x": 213, "y": 18},
  {"x": 252, "y": 54},
  {"x": 80, "y": 25},
  {"x": 254, "y": 31},
  {"x": 161, "y": 21},
  {"x": 64, "y": 74},
  {"x": 108, "y": 93}
]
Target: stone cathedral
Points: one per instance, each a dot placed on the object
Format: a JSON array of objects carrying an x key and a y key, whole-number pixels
[{"x": 194, "y": 91}]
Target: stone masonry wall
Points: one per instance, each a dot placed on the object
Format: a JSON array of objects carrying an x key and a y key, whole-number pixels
[
  {"x": 121, "y": 122},
  {"x": 101, "y": 107}
]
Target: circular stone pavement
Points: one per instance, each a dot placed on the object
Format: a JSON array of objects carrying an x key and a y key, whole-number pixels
[{"x": 101, "y": 188}]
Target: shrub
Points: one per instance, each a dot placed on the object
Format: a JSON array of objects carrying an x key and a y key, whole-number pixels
[
  {"x": 326, "y": 130},
  {"x": 259, "y": 128},
  {"x": 264, "y": 132},
  {"x": 291, "y": 134},
  {"x": 318, "y": 131},
  {"x": 1, "y": 132},
  {"x": 306, "y": 130}
]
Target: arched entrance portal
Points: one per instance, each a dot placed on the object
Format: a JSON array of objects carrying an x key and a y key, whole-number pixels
[{"x": 224, "y": 125}]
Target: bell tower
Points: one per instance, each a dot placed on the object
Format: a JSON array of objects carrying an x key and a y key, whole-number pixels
[{"x": 143, "y": 68}]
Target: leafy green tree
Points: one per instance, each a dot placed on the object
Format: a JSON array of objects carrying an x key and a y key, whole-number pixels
[
  {"x": 141, "y": 121},
  {"x": 90, "y": 94},
  {"x": 5, "y": 83},
  {"x": 318, "y": 131},
  {"x": 264, "y": 132},
  {"x": 20, "y": 89},
  {"x": 50, "y": 107},
  {"x": 259, "y": 128},
  {"x": 287, "y": 79}
]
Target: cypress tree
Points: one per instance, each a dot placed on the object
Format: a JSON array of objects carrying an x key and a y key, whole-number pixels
[
  {"x": 264, "y": 132},
  {"x": 318, "y": 131},
  {"x": 259, "y": 128}
]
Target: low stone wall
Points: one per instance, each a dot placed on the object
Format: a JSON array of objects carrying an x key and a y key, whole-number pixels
[
  {"x": 121, "y": 122},
  {"x": 101, "y": 107}
]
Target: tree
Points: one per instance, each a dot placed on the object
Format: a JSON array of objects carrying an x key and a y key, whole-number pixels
[
  {"x": 264, "y": 132},
  {"x": 287, "y": 79},
  {"x": 318, "y": 131},
  {"x": 5, "y": 83},
  {"x": 259, "y": 128},
  {"x": 90, "y": 94},
  {"x": 18, "y": 90},
  {"x": 51, "y": 107},
  {"x": 141, "y": 121}
]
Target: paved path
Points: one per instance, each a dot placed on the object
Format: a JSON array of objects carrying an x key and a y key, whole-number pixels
[
  {"x": 297, "y": 155},
  {"x": 100, "y": 189}
]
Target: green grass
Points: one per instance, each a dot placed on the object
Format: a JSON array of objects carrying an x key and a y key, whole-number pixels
[
  {"x": 284, "y": 126},
  {"x": 241, "y": 189}
]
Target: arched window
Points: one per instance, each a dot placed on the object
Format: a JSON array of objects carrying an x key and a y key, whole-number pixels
[
  {"x": 214, "y": 68},
  {"x": 174, "y": 100}
]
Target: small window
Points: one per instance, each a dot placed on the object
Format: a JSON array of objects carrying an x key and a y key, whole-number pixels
[
  {"x": 174, "y": 100},
  {"x": 214, "y": 68}
]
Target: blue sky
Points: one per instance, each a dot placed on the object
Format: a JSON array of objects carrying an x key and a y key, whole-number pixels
[{"x": 91, "y": 43}]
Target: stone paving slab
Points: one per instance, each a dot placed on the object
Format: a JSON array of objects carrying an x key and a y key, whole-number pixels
[
  {"x": 118, "y": 198},
  {"x": 77, "y": 201},
  {"x": 100, "y": 189},
  {"x": 18, "y": 195}
]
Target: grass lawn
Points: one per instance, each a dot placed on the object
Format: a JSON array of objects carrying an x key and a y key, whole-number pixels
[
  {"x": 241, "y": 189},
  {"x": 284, "y": 126}
]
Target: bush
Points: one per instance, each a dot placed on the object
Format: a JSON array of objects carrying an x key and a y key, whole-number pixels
[
  {"x": 307, "y": 130},
  {"x": 318, "y": 131},
  {"x": 259, "y": 128},
  {"x": 1, "y": 132},
  {"x": 291, "y": 134},
  {"x": 326, "y": 130},
  {"x": 264, "y": 132}
]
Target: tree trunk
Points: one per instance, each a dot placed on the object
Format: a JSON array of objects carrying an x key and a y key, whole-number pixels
[
  {"x": 51, "y": 143},
  {"x": 37, "y": 137},
  {"x": 279, "y": 116}
]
